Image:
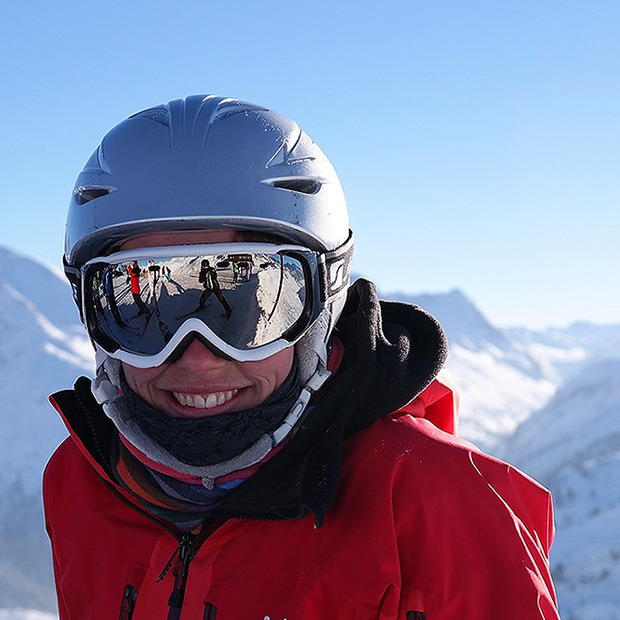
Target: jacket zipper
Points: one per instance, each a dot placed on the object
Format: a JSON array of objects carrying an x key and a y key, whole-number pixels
[
  {"x": 179, "y": 562},
  {"x": 129, "y": 602},
  {"x": 189, "y": 545}
]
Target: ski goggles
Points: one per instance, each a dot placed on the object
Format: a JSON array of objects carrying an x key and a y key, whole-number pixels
[{"x": 246, "y": 301}]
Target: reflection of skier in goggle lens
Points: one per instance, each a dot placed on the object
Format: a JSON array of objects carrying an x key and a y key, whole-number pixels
[{"x": 171, "y": 177}]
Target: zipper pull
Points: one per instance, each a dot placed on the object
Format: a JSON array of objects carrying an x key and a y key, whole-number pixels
[
  {"x": 129, "y": 602},
  {"x": 185, "y": 544},
  {"x": 184, "y": 551},
  {"x": 180, "y": 569}
]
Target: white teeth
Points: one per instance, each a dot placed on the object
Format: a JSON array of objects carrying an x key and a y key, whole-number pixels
[{"x": 204, "y": 401}]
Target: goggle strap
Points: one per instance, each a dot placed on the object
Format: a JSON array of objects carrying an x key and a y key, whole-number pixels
[
  {"x": 314, "y": 383},
  {"x": 335, "y": 270},
  {"x": 102, "y": 387},
  {"x": 74, "y": 276},
  {"x": 103, "y": 390}
]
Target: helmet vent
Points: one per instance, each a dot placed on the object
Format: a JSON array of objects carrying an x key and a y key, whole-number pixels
[
  {"x": 86, "y": 194},
  {"x": 302, "y": 185}
]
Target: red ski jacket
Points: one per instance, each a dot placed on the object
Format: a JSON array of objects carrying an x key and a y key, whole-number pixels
[{"x": 423, "y": 526}]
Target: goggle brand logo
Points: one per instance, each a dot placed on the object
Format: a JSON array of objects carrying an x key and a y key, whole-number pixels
[{"x": 338, "y": 275}]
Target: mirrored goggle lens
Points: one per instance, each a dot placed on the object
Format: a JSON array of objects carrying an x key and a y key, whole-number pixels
[{"x": 247, "y": 300}]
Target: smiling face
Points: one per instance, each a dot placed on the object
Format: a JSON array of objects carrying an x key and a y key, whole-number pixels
[{"x": 200, "y": 383}]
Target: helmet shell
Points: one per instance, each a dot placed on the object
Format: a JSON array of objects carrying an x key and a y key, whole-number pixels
[{"x": 205, "y": 162}]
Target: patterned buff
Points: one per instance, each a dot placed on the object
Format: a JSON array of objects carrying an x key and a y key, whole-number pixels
[
  {"x": 176, "y": 498},
  {"x": 182, "y": 498}
]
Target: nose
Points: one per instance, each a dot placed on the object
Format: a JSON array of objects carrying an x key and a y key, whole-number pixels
[{"x": 197, "y": 356}]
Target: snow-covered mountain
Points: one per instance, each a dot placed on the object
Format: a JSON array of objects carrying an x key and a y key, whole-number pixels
[
  {"x": 573, "y": 447},
  {"x": 505, "y": 375},
  {"x": 26, "y": 613},
  {"x": 42, "y": 349},
  {"x": 545, "y": 401}
]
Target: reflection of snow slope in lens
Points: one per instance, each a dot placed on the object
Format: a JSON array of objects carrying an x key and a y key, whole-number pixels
[
  {"x": 148, "y": 333},
  {"x": 254, "y": 320},
  {"x": 251, "y": 296},
  {"x": 289, "y": 298}
]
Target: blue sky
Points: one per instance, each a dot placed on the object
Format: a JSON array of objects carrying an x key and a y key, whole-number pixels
[{"x": 478, "y": 142}]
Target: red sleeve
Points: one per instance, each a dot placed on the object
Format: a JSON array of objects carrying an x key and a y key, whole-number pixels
[{"x": 477, "y": 536}]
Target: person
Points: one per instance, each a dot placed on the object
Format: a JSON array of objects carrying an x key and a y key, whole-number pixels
[
  {"x": 208, "y": 278},
  {"x": 298, "y": 461},
  {"x": 153, "y": 274},
  {"x": 107, "y": 284},
  {"x": 135, "y": 273},
  {"x": 168, "y": 273}
]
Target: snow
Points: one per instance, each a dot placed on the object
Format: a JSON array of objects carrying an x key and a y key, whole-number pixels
[
  {"x": 578, "y": 458},
  {"x": 501, "y": 377},
  {"x": 495, "y": 396},
  {"x": 42, "y": 349},
  {"x": 548, "y": 402}
]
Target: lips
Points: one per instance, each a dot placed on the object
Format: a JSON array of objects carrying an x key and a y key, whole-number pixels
[{"x": 204, "y": 401}]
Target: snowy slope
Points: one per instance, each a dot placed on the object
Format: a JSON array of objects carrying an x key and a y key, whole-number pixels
[
  {"x": 42, "y": 349},
  {"x": 573, "y": 447}
]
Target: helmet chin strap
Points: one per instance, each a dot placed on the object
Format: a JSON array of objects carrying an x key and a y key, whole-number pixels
[{"x": 107, "y": 391}]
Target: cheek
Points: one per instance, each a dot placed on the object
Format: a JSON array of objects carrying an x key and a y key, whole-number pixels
[
  {"x": 140, "y": 379},
  {"x": 274, "y": 370},
  {"x": 286, "y": 363}
]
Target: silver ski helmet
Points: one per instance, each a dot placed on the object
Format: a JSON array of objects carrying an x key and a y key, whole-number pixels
[
  {"x": 205, "y": 163},
  {"x": 200, "y": 163}
]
